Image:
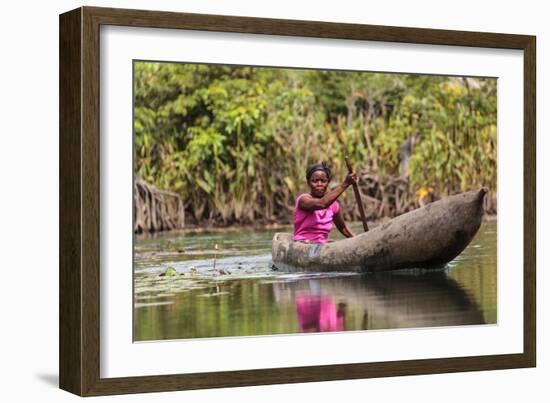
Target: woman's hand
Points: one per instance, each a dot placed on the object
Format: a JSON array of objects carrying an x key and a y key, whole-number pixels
[
  {"x": 342, "y": 226},
  {"x": 351, "y": 178},
  {"x": 310, "y": 203}
]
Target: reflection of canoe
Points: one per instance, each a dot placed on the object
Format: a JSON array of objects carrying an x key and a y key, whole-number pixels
[
  {"x": 389, "y": 300},
  {"x": 431, "y": 299},
  {"x": 427, "y": 237}
]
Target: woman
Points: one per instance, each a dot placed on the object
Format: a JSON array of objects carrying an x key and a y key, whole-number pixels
[{"x": 315, "y": 211}]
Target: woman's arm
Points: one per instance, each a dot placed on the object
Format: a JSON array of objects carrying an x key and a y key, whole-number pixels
[
  {"x": 310, "y": 203},
  {"x": 342, "y": 226}
]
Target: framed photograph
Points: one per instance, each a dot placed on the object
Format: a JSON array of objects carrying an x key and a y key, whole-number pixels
[{"x": 249, "y": 201}]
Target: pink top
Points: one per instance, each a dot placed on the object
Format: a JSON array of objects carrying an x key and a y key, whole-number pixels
[{"x": 313, "y": 226}]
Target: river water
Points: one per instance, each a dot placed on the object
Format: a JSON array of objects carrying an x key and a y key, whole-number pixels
[{"x": 220, "y": 284}]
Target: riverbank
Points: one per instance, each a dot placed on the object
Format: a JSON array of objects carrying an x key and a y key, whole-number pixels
[
  {"x": 383, "y": 199},
  {"x": 276, "y": 227}
]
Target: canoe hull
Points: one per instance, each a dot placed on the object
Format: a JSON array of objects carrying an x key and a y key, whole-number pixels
[{"x": 427, "y": 237}]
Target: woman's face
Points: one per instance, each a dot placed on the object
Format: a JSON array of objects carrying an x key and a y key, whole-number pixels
[{"x": 318, "y": 183}]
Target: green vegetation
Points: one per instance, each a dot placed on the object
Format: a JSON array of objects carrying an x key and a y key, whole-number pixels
[{"x": 235, "y": 141}]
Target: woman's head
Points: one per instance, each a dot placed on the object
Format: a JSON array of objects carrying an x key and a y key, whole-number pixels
[{"x": 318, "y": 176}]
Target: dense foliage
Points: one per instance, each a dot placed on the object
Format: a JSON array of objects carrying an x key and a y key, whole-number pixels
[{"x": 235, "y": 141}]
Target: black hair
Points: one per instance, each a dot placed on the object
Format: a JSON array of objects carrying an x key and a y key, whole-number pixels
[{"x": 323, "y": 166}]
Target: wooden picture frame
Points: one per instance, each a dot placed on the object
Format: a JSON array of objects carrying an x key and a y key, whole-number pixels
[{"x": 80, "y": 199}]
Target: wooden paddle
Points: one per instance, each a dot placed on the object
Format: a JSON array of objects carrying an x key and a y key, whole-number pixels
[{"x": 358, "y": 197}]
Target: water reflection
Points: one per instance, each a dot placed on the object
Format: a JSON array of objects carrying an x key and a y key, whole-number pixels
[
  {"x": 318, "y": 313},
  {"x": 323, "y": 304},
  {"x": 381, "y": 301}
]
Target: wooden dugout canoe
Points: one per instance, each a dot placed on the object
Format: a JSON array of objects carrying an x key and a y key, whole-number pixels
[{"x": 424, "y": 238}]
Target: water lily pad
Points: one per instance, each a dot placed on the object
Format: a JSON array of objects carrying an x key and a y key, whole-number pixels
[{"x": 169, "y": 272}]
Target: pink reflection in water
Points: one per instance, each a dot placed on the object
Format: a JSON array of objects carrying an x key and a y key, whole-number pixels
[{"x": 318, "y": 313}]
